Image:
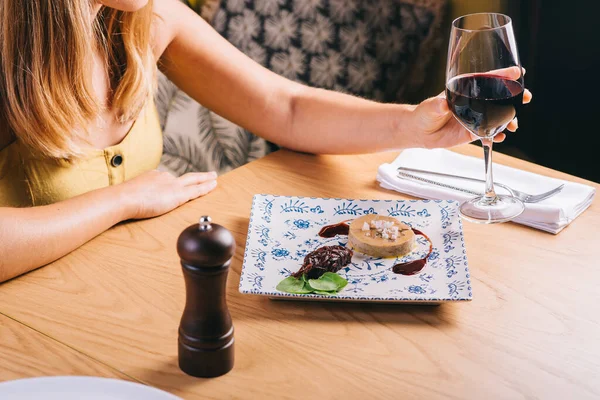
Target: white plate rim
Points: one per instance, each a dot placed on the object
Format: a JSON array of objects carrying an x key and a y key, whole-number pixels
[{"x": 109, "y": 385}]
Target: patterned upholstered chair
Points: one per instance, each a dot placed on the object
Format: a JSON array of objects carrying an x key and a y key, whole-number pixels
[{"x": 377, "y": 49}]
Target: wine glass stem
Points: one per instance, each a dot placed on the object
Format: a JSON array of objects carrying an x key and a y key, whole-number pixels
[{"x": 490, "y": 194}]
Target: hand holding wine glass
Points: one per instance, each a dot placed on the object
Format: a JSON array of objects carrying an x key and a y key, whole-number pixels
[
  {"x": 484, "y": 91},
  {"x": 438, "y": 128}
]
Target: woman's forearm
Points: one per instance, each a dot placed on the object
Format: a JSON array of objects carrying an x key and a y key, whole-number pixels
[
  {"x": 33, "y": 237},
  {"x": 328, "y": 122}
]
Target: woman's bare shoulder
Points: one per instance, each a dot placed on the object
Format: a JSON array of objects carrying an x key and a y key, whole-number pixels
[{"x": 164, "y": 26}]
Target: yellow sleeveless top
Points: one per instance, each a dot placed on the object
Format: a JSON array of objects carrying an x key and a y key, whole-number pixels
[{"x": 27, "y": 179}]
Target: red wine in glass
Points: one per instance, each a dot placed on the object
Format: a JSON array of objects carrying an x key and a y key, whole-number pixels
[
  {"x": 484, "y": 90},
  {"x": 484, "y": 103}
]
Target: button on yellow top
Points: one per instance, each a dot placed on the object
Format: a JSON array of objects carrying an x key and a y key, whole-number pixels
[
  {"x": 27, "y": 179},
  {"x": 116, "y": 161}
]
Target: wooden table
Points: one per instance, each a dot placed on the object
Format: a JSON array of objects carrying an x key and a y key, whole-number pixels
[
  {"x": 27, "y": 353},
  {"x": 531, "y": 331}
]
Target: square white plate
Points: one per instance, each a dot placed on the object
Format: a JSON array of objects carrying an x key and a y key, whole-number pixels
[{"x": 284, "y": 229}]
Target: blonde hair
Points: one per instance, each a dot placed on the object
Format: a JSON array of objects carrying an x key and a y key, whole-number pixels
[{"x": 47, "y": 100}]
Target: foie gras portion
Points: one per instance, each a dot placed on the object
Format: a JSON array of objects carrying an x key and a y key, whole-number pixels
[{"x": 380, "y": 236}]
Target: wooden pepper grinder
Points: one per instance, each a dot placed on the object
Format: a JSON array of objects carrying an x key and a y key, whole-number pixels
[{"x": 205, "y": 332}]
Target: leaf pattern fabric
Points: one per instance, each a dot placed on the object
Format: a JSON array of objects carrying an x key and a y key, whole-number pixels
[
  {"x": 196, "y": 139},
  {"x": 367, "y": 48}
]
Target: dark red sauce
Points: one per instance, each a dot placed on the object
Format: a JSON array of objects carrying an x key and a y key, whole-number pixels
[
  {"x": 330, "y": 231},
  {"x": 414, "y": 266},
  {"x": 410, "y": 268}
]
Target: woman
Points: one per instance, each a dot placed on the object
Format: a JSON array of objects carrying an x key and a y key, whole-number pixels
[{"x": 79, "y": 137}]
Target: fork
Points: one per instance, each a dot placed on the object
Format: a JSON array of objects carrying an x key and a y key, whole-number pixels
[{"x": 524, "y": 197}]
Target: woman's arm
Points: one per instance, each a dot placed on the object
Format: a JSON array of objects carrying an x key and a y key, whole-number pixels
[
  {"x": 216, "y": 74},
  {"x": 32, "y": 237},
  {"x": 207, "y": 67}
]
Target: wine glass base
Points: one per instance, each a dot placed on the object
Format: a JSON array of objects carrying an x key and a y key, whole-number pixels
[{"x": 503, "y": 209}]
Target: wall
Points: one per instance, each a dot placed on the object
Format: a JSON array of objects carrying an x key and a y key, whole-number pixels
[{"x": 456, "y": 8}]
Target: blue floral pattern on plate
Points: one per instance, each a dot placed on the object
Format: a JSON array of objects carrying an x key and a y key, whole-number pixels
[{"x": 284, "y": 229}]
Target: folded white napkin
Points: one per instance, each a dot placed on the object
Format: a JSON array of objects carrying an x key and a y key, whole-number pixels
[{"x": 550, "y": 215}]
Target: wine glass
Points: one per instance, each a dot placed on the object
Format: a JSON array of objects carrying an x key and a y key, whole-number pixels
[{"x": 484, "y": 90}]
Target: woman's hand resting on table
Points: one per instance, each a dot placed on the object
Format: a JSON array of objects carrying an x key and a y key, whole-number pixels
[
  {"x": 70, "y": 223},
  {"x": 156, "y": 192}
]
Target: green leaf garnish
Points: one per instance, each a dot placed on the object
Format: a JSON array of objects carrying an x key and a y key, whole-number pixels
[
  {"x": 328, "y": 284},
  {"x": 294, "y": 285}
]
